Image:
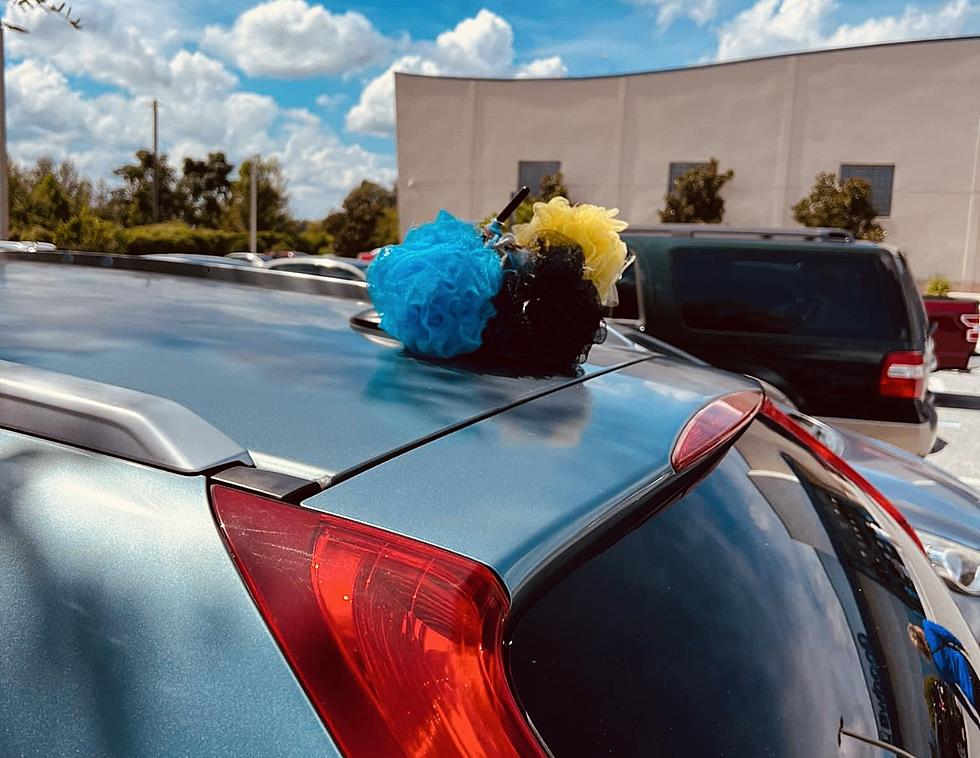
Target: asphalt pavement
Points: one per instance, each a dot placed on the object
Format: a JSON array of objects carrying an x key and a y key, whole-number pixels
[{"x": 958, "y": 404}]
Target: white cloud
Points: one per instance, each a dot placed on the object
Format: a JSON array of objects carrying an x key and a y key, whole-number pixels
[
  {"x": 203, "y": 109},
  {"x": 293, "y": 39},
  {"x": 329, "y": 102},
  {"x": 542, "y": 68},
  {"x": 668, "y": 11},
  {"x": 374, "y": 113},
  {"x": 122, "y": 44},
  {"x": 479, "y": 46},
  {"x": 772, "y": 26},
  {"x": 949, "y": 20},
  {"x": 777, "y": 26},
  {"x": 321, "y": 169}
]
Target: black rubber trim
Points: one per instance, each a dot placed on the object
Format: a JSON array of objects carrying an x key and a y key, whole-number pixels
[
  {"x": 271, "y": 484},
  {"x": 341, "y": 476}
]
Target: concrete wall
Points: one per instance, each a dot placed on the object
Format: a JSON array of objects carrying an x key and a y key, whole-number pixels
[{"x": 776, "y": 121}]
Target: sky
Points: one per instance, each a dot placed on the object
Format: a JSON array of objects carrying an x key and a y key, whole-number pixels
[{"x": 311, "y": 83}]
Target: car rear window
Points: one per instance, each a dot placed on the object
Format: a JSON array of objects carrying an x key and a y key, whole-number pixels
[
  {"x": 800, "y": 293},
  {"x": 758, "y": 615}
]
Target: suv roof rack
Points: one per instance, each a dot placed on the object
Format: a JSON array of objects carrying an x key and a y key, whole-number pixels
[
  {"x": 220, "y": 270},
  {"x": 805, "y": 233},
  {"x": 112, "y": 420}
]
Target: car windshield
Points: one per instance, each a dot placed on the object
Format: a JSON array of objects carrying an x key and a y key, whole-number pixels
[
  {"x": 759, "y": 614},
  {"x": 799, "y": 293}
]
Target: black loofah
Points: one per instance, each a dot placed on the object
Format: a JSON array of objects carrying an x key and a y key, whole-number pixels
[{"x": 548, "y": 315}]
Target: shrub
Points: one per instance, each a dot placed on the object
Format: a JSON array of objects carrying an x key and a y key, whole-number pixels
[
  {"x": 844, "y": 205},
  {"x": 938, "y": 286},
  {"x": 695, "y": 197}
]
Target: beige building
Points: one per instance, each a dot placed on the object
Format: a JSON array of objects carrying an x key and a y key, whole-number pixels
[{"x": 905, "y": 116}]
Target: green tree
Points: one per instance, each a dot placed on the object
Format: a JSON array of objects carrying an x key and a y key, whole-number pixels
[
  {"x": 53, "y": 203},
  {"x": 271, "y": 195},
  {"x": 550, "y": 186},
  {"x": 86, "y": 231},
  {"x": 133, "y": 202},
  {"x": 369, "y": 219},
  {"x": 205, "y": 188},
  {"x": 844, "y": 205},
  {"x": 695, "y": 197}
]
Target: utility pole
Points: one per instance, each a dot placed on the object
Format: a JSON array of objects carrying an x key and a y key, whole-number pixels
[
  {"x": 156, "y": 164},
  {"x": 253, "y": 212},
  {"x": 4, "y": 184}
]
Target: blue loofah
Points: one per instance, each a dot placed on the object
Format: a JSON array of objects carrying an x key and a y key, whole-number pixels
[{"x": 434, "y": 291}]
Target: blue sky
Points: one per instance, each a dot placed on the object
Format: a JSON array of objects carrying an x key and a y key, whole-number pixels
[{"x": 311, "y": 82}]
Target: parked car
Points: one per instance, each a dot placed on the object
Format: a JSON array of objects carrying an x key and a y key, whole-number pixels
[
  {"x": 944, "y": 511},
  {"x": 29, "y": 246},
  {"x": 955, "y": 326},
  {"x": 836, "y": 324},
  {"x": 253, "y": 259},
  {"x": 394, "y": 556},
  {"x": 318, "y": 265},
  {"x": 196, "y": 259}
]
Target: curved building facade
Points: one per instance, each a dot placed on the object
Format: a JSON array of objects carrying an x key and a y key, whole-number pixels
[{"x": 904, "y": 116}]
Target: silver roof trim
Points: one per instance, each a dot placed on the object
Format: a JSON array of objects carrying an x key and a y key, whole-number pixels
[
  {"x": 221, "y": 270},
  {"x": 807, "y": 233},
  {"x": 112, "y": 420}
]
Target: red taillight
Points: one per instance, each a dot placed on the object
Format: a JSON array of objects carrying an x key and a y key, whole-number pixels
[
  {"x": 828, "y": 456},
  {"x": 399, "y": 644},
  {"x": 713, "y": 426},
  {"x": 903, "y": 374}
]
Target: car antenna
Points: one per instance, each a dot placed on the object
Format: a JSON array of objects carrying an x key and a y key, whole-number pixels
[{"x": 515, "y": 201}]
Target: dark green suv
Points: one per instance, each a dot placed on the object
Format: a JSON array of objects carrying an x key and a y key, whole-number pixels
[{"x": 834, "y": 323}]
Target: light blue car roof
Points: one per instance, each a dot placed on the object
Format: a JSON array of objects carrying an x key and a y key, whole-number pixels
[
  {"x": 509, "y": 470},
  {"x": 281, "y": 373}
]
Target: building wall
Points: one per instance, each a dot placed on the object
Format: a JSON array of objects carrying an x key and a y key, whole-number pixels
[{"x": 776, "y": 121}]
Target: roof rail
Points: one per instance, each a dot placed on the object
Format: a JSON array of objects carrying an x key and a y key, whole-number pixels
[
  {"x": 220, "y": 271},
  {"x": 714, "y": 231},
  {"x": 112, "y": 420}
]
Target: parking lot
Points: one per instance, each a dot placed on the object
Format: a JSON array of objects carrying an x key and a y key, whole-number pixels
[{"x": 958, "y": 401}]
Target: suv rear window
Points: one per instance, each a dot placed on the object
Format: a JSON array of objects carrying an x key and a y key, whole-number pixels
[
  {"x": 802, "y": 293},
  {"x": 755, "y": 616}
]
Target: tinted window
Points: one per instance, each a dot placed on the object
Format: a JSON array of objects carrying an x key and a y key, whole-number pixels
[
  {"x": 677, "y": 170},
  {"x": 832, "y": 294},
  {"x": 299, "y": 268},
  {"x": 881, "y": 179},
  {"x": 628, "y": 307},
  {"x": 530, "y": 173},
  {"x": 756, "y": 616},
  {"x": 338, "y": 273}
]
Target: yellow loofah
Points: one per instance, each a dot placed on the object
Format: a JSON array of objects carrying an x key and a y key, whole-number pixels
[{"x": 594, "y": 228}]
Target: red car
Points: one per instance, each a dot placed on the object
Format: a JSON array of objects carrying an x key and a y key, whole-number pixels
[{"x": 956, "y": 329}]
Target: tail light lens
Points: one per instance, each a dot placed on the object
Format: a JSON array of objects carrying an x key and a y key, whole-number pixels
[
  {"x": 770, "y": 411},
  {"x": 713, "y": 426},
  {"x": 399, "y": 644},
  {"x": 903, "y": 374}
]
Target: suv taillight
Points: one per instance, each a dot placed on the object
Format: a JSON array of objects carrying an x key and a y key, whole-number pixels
[
  {"x": 903, "y": 374},
  {"x": 399, "y": 644}
]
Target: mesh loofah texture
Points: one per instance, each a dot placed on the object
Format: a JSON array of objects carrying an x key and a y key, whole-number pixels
[
  {"x": 435, "y": 291},
  {"x": 547, "y": 315}
]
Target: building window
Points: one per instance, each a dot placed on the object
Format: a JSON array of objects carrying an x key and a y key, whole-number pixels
[
  {"x": 879, "y": 177},
  {"x": 679, "y": 169},
  {"x": 530, "y": 173}
]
